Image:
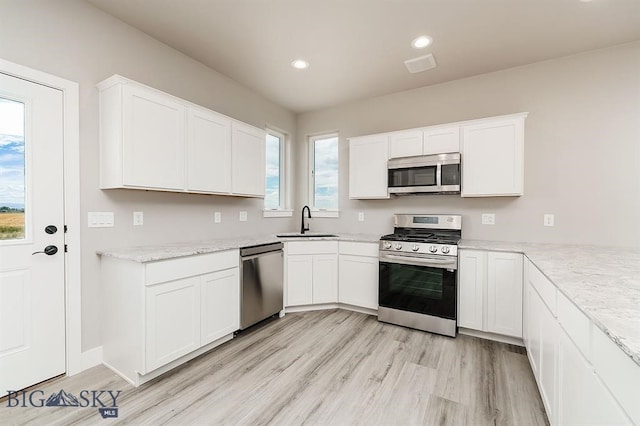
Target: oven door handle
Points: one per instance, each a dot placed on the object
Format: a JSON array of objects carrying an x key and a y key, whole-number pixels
[{"x": 420, "y": 261}]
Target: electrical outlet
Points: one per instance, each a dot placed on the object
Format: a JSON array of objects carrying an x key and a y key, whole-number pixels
[
  {"x": 100, "y": 219},
  {"x": 138, "y": 219},
  {"x": 549, "y": 220},
  {"x": 243, "y": 216},
  {"x": 361, "y": 216},
  {"x": 217, "y": 217},
  {"x": 488, "y": 219}
]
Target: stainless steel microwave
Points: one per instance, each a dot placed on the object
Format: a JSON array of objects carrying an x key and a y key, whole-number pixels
[{"x": 428, "y": 174}]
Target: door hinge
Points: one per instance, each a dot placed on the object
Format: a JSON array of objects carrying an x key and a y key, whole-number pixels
[
  {"x": 65, "y": 229},
  {"x": 66, "y": 248}
]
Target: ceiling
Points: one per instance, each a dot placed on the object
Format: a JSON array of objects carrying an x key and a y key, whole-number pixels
[{"x": 356, "y": 48}]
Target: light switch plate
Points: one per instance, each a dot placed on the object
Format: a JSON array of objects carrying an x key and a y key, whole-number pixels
[
  {"x": 100, "y": 219},
  {"x": 488, "y": 219},
  {"x": 549, "y": 219},
  {"x": 243, "y": 216},
  {"x": 217, "y": 217},
  {"x": 361, "y": 216},
  {"x": 138, "y": 218}
]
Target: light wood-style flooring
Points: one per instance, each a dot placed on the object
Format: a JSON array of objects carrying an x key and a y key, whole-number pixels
[{"x": 322, "y": 367}]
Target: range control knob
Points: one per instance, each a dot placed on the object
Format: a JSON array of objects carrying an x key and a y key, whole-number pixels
[
  {"x": 433, "y": 249},
  {"x": 398, "y": 246},
  {"x": 445, "y": 249},
  {"x": 387, "y": 245},
  {"x": 415, "y": 247}
]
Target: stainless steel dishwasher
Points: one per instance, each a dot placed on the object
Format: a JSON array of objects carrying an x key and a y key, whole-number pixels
[{"x": 261, "y": 283}]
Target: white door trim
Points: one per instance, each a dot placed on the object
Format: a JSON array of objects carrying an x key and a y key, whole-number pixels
[{"x": 76, "y": 360}]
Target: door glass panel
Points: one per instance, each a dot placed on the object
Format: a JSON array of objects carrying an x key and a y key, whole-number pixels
[
  {"x": 423, "y": 176},
  {"x": 12, "y": 170}
]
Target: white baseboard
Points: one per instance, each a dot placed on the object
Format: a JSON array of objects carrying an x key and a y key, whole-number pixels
[{"x": 491, "y": 336}]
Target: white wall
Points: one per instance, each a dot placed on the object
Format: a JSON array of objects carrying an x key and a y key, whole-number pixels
[
  {"x": 582, "y": 149},
  {"x": 74, "y": 40}
]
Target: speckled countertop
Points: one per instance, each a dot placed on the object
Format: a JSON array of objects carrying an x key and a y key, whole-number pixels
[
  {"x": 603, "y": 282},
  {"x": 145, "y": 254}
]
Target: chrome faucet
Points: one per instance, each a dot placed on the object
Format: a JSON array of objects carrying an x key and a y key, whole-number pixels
[{"x": 302, "y": 227}]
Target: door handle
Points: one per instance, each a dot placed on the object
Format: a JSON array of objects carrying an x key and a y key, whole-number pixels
[{"x": 48, "y": 250}]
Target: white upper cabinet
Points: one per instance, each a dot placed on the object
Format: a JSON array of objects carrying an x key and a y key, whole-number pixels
[
  {"x": 438, "y": 140},
  {"x": 152, "y": 140},
  {"x": 427, "y": 141},
  {"x": 208, "y": 151},
  {"x": 142, "y": 136},
  {"x": 248, "y": 165},
  {"x": 493, "y": 157},
  {"x": 368, "y": 156},
  {"x": 405, "y": 144}
]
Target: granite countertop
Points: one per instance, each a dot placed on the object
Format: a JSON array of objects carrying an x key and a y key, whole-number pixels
[
  {"x": 143, "y": 254},
  {"x": 603, "y": 282}
]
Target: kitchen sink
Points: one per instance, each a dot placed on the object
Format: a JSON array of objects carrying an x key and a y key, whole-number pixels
[{"x": 307, "y": 235}]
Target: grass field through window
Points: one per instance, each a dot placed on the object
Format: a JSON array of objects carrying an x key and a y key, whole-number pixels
[{"x": 11, "y": 226}]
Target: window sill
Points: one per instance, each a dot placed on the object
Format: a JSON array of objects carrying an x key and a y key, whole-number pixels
[
  {"x": 325, "y": 213},
  {"x": 277, "y": 213}
]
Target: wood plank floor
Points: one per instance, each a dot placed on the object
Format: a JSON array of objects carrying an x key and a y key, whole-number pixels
[{"x": 321, "y": 367}]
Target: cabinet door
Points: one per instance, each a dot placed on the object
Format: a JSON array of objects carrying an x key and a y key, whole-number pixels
[
  {"x": 534, "y": 307},
  {"x": 247, "y": 152},
  {"x": 172, "y": 326},
  {"x": 405, "y": 144},
  {"x": 441, "y": 140},
  {"x": 368, "y": 174},
  {"x": 493, "y": 158},
  {"x": 504, "y": 293},
  {"x": 299, "y": 280},
  {"x": 582, "y": 398},
  {"x": 471, "y": 284},
  {"x": 219, "y": 305},
  {"x": 358, "y": 281},
  {"x": 208, "y": 151},
  {"x": 153, "y": 140},
  {"x": 325, "y": 278},
  {"x": 549, "y": 333}
]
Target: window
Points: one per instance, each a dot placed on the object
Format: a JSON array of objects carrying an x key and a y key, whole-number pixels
[
  {"x": 323, "y": 166},
  {"x": 12, "y": 170},
  {"x": 274, "y": 194}
]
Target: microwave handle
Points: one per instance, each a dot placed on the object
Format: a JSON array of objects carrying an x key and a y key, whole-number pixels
[{"x": 439, "y": 175}]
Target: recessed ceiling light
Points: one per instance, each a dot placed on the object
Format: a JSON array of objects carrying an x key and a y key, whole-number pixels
[
  {"x": 300, "y": 64},
  {"x": 421, "y": 42}
]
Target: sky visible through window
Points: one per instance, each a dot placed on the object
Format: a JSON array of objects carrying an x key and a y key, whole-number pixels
[
  {"x": 273, "y": 170},
  {"x": 11, "y": 154},
  {"x": 325, "y": 190}
]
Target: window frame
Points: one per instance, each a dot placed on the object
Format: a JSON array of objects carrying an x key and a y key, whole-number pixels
[
  {"x": 318, "y": 212},
  {"x": 281, "y": 210}
]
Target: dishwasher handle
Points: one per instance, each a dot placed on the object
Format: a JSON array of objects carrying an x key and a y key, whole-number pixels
[{"x": 260, "y": 249}]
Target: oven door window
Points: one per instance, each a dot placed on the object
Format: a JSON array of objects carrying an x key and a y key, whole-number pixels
[
  {"x": 415, "y": 176},
  {"x": 421, "y": 289}
]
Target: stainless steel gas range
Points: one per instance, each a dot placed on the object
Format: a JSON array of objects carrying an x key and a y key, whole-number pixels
[{"x": 418, "y": 264}]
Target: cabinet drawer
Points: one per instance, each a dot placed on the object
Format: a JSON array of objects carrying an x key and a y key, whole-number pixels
[
  {"x": 312, "y": 247},
  {"x": 618, "y": 371},
  {"x": 359, "y": 249},
  {"x": 173, "y": 269},
  {"x": 575, "y": 323},
  {"x": 543, "y": 286}
]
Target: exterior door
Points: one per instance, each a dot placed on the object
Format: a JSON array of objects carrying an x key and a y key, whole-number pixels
[{"x": 32, "y": 316}]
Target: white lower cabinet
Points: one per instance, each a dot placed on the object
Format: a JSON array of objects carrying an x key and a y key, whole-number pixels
[
  {"x": 311, "y": 272},
  {"x": 219, "y": 304},
  {"x": 359, "y": 270},
  {"x": 163, "y": 313},
  {"x": 172, "y": 321},
  {"x": 572, "y": 360},
  {"x": 490, "y": 292}
]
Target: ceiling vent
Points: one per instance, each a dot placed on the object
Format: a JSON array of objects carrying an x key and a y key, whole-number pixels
[{"x": 421, "y": 63}]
